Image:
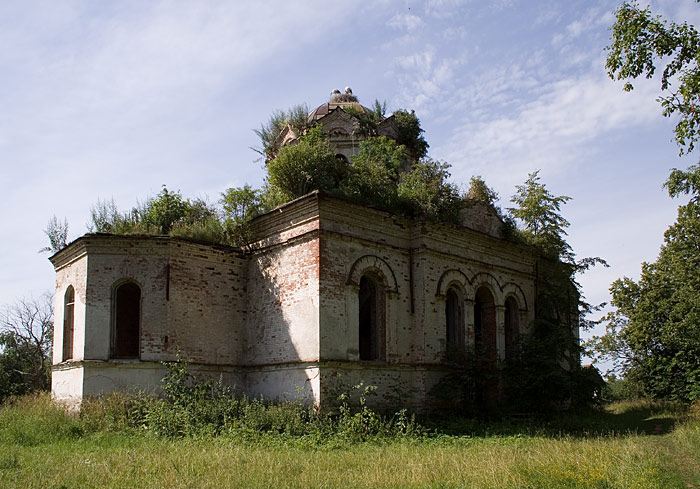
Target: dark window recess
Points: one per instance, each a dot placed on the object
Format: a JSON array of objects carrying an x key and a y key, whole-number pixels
[
  {"x": 68, "y": 314},
  {"x": 371, "y": 321},
  {"x": 453, "y": 320},
  {"x": 511, "y": 327},
  {"x": 127, "y": 321},
  {"x": 485, "y": 326},
  {"x": 487, "y": 354}
]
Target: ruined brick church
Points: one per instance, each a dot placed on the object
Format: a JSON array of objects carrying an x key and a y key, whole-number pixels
[{"x": 328, "y": 291}]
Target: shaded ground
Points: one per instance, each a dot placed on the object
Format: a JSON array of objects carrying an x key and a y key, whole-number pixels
[{"x": 639, "y": 417}]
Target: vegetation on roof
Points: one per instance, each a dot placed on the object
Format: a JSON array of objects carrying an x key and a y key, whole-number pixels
[{"x": 401, "y": 179}]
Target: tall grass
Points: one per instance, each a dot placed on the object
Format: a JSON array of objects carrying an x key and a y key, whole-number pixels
[{"x": 268, "y": 445}]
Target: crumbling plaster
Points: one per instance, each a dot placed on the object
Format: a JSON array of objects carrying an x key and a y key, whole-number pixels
[{"x": 281, "y": 319}]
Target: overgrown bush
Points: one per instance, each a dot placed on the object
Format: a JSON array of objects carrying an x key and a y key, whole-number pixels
[
  {"x": 425, "y": 192},
  {"x": 192, "y": 407},
  {"x": 374, "y": 175},
  {"x": 166, "y": 213},
  {"x": 309, "y": 165},
  {"x": 391, "y": 175}
]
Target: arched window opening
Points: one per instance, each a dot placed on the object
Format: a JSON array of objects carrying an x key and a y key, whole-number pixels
[
  {"x": 454, "y": 319},
  {"x": 68, "y": 321},
  {"x": 371, "y": 327},
  {"x": 512, "y": 327},
  {"x": 127, "y": 321},
  {"x": 485, "y": 325}
]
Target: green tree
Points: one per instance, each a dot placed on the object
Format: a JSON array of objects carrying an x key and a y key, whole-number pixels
[
  {"x": 240, "y": 205},
  {"x": 374, "y": 175},
  {"x": 539, "y": 212},
  {"x": 411, "y": 134},
  {"x": 26, "y": 333},
  {"x": 640, "y": 42},
  {"x": 57, "y": 232},
  {"x": 105, "y": 217},
  {"x": 165, "y": 210},
  {"x": 426, "y": 192},
  {"x": 304, "y": 167},
  {"x": 549, "y": 359},
  {"x": 166, "y": 213},
  {"x": 653, "y": 335},
  {"x": 270, "y": 133},
  {"x": 479, "y": 191}
]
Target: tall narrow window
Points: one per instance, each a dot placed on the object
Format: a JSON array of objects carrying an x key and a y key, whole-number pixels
[
  {"x": 511, "y": 327},
  {"x": 371, "y": 320},
  {"x": 127, "y": 321},
  {"x": 487, "y": 390},
  {"x": 485, "y": 325},
  {"x": 454, "y": 320},
  {"x": 68, "y": 313}
]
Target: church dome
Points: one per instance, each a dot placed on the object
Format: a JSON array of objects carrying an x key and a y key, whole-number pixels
[{"x": 343, "y": 100}]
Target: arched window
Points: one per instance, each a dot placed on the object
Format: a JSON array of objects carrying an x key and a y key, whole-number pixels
[
  {"x": 126, "y": 332},
  {"x": 485, "y": 325},
  {"x": 68, "y": 314},
  {"x": 454, "y": 320},
  {"x": 512, "y": 327},
  {"x": 371, "y": 300}
]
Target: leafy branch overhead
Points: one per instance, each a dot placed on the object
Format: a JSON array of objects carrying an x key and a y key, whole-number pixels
[{"x": 641, "y": 42}]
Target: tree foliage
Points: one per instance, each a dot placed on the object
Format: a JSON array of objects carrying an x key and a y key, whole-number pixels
[
  {"x": 374, "y": 174},
  {"x": 165, "y": 210},
  {"x": 640, "y": 42},
  {"x": 654, "y": 332},
  {"x": 240, "y": 205},
  {"x": 426, "y": 192},
  {"x": 479, "y": 191},
  {"x": 539, "y": 212},
  {"x": 26, "y": 333},
  {"x": 547, "y": 373},
  {"x": 166, "y": 213},
  {"x": 653, "y": 335},
  {"x": 411, "y": 134},
  {"x": 57, "y": 232},
  {"x": 301, "y": 168},
  {"x": 269, "y": 133}
]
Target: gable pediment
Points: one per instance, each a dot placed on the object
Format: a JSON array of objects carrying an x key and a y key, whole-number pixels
[{"x": 339, "y": 123}]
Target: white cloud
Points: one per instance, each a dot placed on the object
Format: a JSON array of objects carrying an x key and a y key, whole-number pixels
[
  {"x": 550, "y": 131},
  {"x": 426, "y": 80},
  {"x": 408, "y": 22},
  {"x": 117, "y": 98},
  {"x": 441, "y": 9},
  {"x": 575, "y": 28}
]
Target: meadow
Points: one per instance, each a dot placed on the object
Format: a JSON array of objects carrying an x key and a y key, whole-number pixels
[{"x": 626, "y": 445}]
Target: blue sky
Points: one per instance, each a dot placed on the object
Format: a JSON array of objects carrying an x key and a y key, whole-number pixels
[{"x": 114, "y": 99}]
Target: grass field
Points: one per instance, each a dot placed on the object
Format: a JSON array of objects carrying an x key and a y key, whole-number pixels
[{"x": 631, "y": 445}]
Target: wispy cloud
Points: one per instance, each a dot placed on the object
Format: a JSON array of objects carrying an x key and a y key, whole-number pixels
[
  {"x": 550, "y": 131},
  {"x": 408, "y": 22},
  {"x": 116, "y": 99}
]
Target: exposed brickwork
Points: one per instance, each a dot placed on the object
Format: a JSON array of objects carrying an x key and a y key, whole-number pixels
[
  {"x": 285, "y": 315},
  {"x": 283, "y": 303}
]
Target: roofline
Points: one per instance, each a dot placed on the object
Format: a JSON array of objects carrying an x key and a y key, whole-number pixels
[{"x": 70, "y": 247}]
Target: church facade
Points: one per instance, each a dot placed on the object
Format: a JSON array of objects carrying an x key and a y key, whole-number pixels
[{"x": 328, "y": 294}]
